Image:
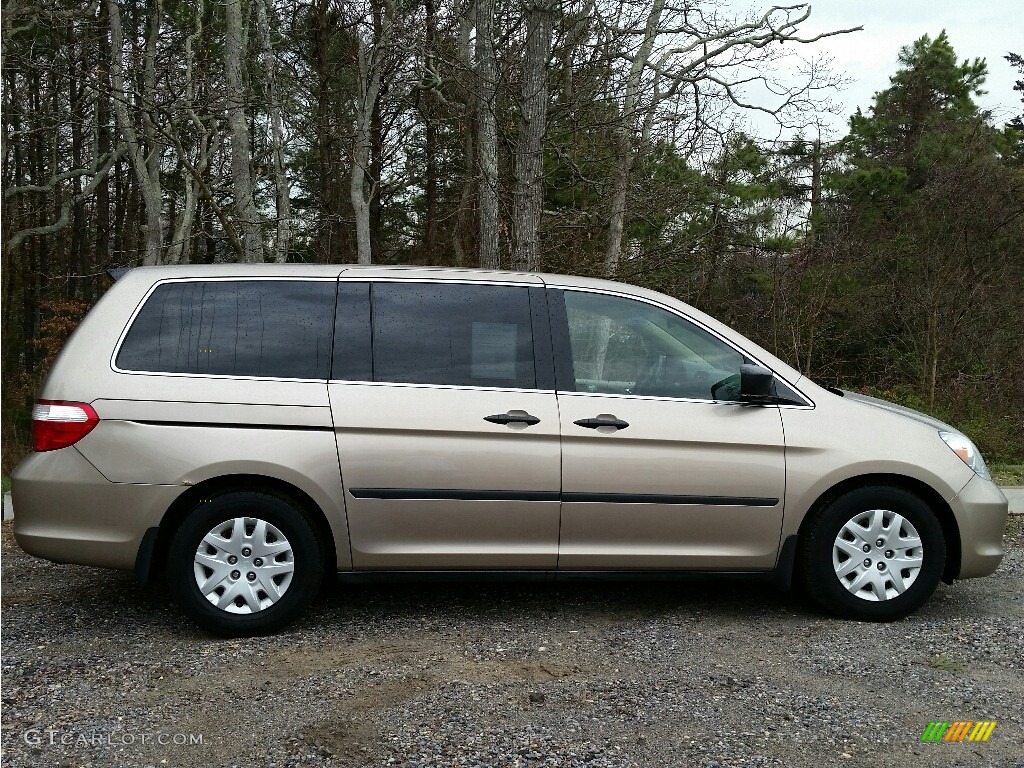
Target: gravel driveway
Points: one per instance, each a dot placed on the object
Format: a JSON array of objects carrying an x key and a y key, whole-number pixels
[{"x": 98, "y": 672}]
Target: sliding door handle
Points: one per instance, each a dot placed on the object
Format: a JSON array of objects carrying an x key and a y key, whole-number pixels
[
  {"x": 520, "y": 417},
  {"x": 601, "y": 421}
]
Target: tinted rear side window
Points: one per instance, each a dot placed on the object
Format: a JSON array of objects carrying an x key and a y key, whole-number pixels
[
  {"x": 352, "y": 358},
  {"x": 462, "y": 335},
  {"x": 277, "y": 328}
]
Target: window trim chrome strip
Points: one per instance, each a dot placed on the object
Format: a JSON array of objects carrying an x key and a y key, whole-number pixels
[{"x": 807, "y": 405}]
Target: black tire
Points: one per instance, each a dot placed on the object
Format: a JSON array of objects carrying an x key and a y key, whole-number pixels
[
  {"x": 306, "y": 556},
  {"x": 815, "y": 560}
]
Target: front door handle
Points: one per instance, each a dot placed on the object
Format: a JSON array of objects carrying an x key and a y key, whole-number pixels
[
  {"x": 512, "y": 418},
  {"x": 601, "y": 421}
]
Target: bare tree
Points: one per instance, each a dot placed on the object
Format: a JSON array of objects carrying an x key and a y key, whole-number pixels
[
  {"x": 623, "y": 136},
  {"x": 465, "y": 79},
  {"x": 282, "y": 184},
  {"x": 683, "y": 49},
  {"x": 241, "y": 146},
  {"x": 98, "y": 173},
  {"x": 178, "y": 250},
  {"x": 146, "y": 153},
  {"x": 529, "y": 158},
  {"x": 22, "y": 18},
  {"x": 487, "y": 136},
  {"x": 370, "y": 64}
]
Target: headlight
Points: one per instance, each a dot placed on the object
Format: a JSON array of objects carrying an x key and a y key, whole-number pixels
[{"x": 966, "y": 450}]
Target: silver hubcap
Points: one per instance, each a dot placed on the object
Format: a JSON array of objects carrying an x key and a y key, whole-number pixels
[
  {"x": 877, "y": 555},
  {"x": 244, "y": 565}
]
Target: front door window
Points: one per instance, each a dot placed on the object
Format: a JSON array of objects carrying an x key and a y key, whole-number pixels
[{"x": 628, "y": 347}]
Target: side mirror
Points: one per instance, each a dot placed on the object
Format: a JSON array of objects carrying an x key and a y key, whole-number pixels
[{"x": 757, "y": 384}]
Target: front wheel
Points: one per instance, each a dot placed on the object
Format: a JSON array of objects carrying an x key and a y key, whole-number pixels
[
  {"x": 873, "y": 554},
  {"x": 244, "y": 564}
]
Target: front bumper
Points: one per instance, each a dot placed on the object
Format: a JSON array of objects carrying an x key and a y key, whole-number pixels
[
  {"x": 67, "y": 512},
  {"x": 980, "y": 510}
]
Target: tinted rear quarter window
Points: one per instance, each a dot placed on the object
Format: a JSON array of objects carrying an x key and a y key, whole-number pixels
[
  {"x": 273, "y": 328},
  {"x": 452, "y": 334}
]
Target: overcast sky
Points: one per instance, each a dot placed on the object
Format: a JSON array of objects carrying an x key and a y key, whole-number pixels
[{"x": 984, "y": 28}]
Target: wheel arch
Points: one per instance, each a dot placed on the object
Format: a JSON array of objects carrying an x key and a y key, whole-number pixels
[
  {"x": 931, "y": 497},
  {"x": 218, "y": 486}
]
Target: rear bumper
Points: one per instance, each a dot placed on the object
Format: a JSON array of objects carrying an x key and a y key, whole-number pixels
[
  {"x": 980, "y": 510},
  {"x": 67, "y": 512}
]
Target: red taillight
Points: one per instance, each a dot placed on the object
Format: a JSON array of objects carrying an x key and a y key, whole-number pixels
[{"x": 59, "y": 423}]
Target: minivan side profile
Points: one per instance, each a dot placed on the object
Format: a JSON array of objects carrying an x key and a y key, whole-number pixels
[{"x": 246, "y": 430}]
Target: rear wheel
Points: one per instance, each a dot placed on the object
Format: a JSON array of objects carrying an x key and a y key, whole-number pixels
[
  {"x": 873, "y": 554},
  {"x": 245, "y": 563}
]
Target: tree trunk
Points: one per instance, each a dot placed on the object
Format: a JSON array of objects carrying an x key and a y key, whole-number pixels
[
  {"x": 467, "y": 21},
  {"x": 381, "y": 36},
  {"x": 574, "y": 36},
  {"x": 620, "y": 189},
  {"x": 623, "y": 143},
  {"x": 376, "y": 172},
  {"x": 37, "y": 254},
  {"x": 328, "y": 212},
  {"x": 78, "y": 224},
  {"x": 282, "y": 185},
  {"x": 13, "y": 271},
  {"x": 178, "y": 251},
  {"x": 370, "y": 66},
  {"x": 815, "y": 213},
  {"x": 487, "y": 136},
  {"x": 145, "y": 161},
  {"x": 120, "y": 210},
  {"x": 101, "y": 253},
  {"x": 529, "y": 159},
  {"x": 369, "y": 88},
  {"x": 241, "y": 149},
  {"x": 430, "y": 145}
]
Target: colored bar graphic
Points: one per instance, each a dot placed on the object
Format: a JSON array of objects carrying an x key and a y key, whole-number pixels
[
  {"x": 958, "y": 730},
  {"x": 934, "y": 731},
  {"x": 982, "y": 730}
]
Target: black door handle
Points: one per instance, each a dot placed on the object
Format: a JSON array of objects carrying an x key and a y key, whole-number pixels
[
  {"x": 512, "y": 418},
  {"x": 595, "y": 423}
]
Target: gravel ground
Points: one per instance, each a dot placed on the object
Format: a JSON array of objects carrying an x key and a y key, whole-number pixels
[{"x": 708, "y": 673}]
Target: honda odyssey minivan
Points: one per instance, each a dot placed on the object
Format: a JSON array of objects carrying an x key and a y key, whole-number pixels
[{"x": 246, "y": 430}]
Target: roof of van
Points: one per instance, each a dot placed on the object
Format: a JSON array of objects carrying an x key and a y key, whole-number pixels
[{"x": 370, "y": 271}]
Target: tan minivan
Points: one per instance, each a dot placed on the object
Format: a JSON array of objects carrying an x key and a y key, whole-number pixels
[{"x": 247, "y": 429}]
